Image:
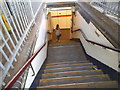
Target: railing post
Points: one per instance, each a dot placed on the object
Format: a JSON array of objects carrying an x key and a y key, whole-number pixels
[
  {"x": 19, "y": 73},
  {"x": 9, "y": 23},
  {"x": 23, "y": 13},
  {"x": 5, "y": 42},
  {"x": 7, "y": 32},
  {"x": 32, "y": 13},
  {"x": 17, "y": 22},
  {"x": 1, "y": 65},
  {"x": 20, "y": 17},
  {"x": 12, "y": 19}
]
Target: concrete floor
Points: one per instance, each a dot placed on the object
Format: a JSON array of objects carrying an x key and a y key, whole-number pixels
[
  {"x": 64, "y": 39},
  {"x": 66, "y": 53},
  {"x": 65, "y": 49}
]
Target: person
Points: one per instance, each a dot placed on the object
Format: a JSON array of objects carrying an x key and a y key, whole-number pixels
[{"x": 58, "y": 34}]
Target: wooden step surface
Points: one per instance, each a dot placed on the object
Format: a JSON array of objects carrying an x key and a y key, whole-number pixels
[
  {"x": 68, "y": 62},
  {"x": 104, "y": 84},
  {"x": 55, "y": 70},
  {"x": 71, "y": 65},
  {"x": 74, "y": 58},
  {"x": 74, "y": 79},
  {"x": 71, "y": 73}
]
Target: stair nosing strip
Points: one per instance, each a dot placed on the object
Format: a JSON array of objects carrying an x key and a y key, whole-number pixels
[
  {"x": 66, "y": 62},
  {"x": 69, "y": 64},
  {"x": 73, "y": 72},
  {"x": 74, "y": 77},
  {"x": 69, "y": 68},
  {"x": 86, "y": 84}
]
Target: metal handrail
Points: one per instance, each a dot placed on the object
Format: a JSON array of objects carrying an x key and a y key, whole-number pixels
[
  {"x": 75, "y": 30},
  {"x": 49, "y": 32},
  {"x": 114, "y": 49},
  {"x": 19, "y": 73}
]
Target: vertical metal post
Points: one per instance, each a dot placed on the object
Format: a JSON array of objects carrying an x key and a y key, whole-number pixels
[
  {"x": 32, "y": 13},
  {"x": 9, "y": 23},
  {"x": 26, "y": 4},
  {"x": 22, "y": 14},
  {"x": 6, "y": 43},
  {"x": 12, "y": 19},
  {"x": 7, "y": 32},
  {"x": 3, "y": 53},
  {"x": 18, "y": 13},
  {"x": 25, "y": 12},
  {"x": 1, "y": 65},
  {"x": 14, "y": 14},
  {"x": 6, "y": 57}
]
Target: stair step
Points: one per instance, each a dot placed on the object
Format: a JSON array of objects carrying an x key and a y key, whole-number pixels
[
  {"x": 62, "y": 64},
  {"x": 74, "y": 79},
  {"x": 56, "y": 60},
  {"x": 71, "y": 65},
  {"x": 104, "y": 84},
  {"x": 85, "y": 61},
  {"x": 71, "y": 73},
  {"x": 55, "y": 70}
]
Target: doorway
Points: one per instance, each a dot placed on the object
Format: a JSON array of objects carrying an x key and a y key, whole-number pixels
[{"x": 63, "y": 18}]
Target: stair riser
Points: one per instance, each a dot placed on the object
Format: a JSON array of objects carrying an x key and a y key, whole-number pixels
[
  {"x": 70, "y": 74},
  {"x": 77, "y": 80}
]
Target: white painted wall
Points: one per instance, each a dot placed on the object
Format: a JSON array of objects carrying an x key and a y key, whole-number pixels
[
  {"x": 39, "y": 59},
  {"x": 89, "y": 30},
  {"x": 64, "y": 22},
  {"x": 49, "y": 24},
  {"x": 105, "y": 56}
]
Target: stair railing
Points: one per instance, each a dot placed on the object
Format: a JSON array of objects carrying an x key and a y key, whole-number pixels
[
  {"x": 114, "y": 49},
  {"x": 19, "y": 73},
  {"x": 107, "y": 6},
  {"x": 16, "y": 24}
]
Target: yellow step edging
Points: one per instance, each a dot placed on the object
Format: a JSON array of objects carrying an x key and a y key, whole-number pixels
[
  {"x": 70, "y": 72},
  {"x": 69, "y": 68},
  {"x": 68, "y": 65},
  {"x": 74, "y": 77},
  {"x": 80, "y": 84}
]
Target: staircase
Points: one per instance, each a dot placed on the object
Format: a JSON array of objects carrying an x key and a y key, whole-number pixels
[{"x": 67, "y": 67}]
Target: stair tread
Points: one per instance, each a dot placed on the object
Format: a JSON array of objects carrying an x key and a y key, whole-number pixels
[
  {"x": 103, "y": 84},
  {"x": 77, "y": 63},
  {"x": 62, "y": 60},
  {"x": 71, "y": 65},
  {"x": 92, "y": 67},
  {"x": 72, "y": 73},
  {"x": 66, "y": 62},
  {"x": 74, "y": 79}
]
